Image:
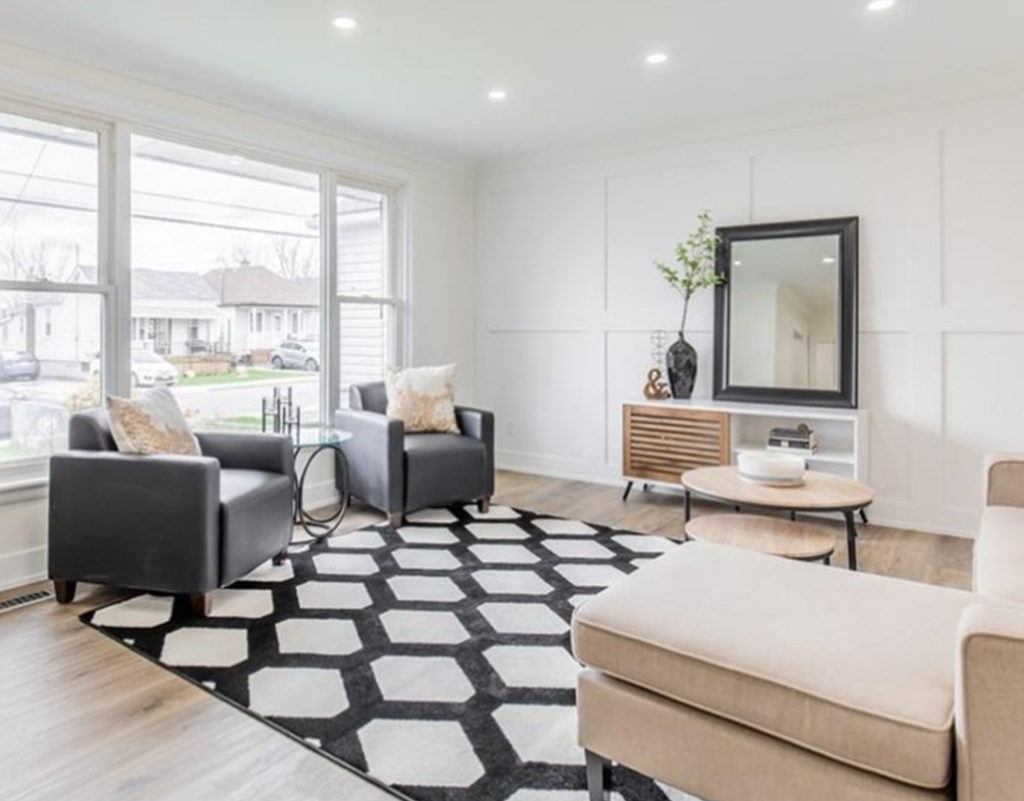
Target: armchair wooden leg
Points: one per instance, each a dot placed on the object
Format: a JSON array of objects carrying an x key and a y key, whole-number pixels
[
  {"x": 484, "y": 505},
  {"x": 280, "y": 558},
  {"x": 395, "y": 519},
  {"x": 199, "y": 604},
  {"x": 64, "y": 590},
  {"x": 599, "y": 772}
]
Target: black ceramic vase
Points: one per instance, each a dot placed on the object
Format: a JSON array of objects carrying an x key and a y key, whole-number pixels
[{"x": 681, "y": 361}]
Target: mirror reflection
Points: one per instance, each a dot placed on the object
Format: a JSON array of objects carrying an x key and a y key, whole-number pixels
[{"x": 784, "y": 313}]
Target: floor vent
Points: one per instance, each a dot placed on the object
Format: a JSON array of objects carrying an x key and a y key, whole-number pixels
[{"x": 24, "y": 600}]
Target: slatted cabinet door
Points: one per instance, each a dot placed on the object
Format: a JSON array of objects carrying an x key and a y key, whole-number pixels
[{"x": 661, "y": 443}]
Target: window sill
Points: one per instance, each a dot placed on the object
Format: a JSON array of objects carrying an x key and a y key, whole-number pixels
[{"x": 24, "y": 479}]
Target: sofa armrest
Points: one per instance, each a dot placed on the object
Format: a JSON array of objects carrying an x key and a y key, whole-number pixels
[
  {"x": 376, "y": 458},
  {"x": 479, "y": 424},
  {"x": 1004, "y": 479},
  {"x": 271, "y": 453},
  {"x": 989, "y": 703},
  {"x": 148, "y": 522}
]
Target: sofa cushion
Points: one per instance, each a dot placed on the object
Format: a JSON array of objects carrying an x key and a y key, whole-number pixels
[
  {"x": 853, "y": 666},
  {"x": 999, "y": 553},
  {"x": 255, "y": 519},
  {"x": 443, "y": 468}
]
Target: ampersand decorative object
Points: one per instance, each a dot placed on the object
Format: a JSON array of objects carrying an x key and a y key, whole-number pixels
[{"x": 655, "y": 388}]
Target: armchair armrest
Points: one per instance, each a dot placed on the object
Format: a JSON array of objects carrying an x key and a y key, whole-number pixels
[
  {"x": 148, "y": 522},
  {"x": 989, "y": 703},
  {"x": 271, "y": 453},
  {"x": 375, "y": 456},
  {"x": 1004, "y": 479},
  {"x": 479, "y": 424}
]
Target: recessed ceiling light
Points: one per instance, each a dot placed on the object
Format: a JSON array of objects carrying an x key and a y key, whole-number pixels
[
  {"x": 828, "y": 260},
  {"x": 68, "y": 129},
  {"x": 656, "y": 58},
  {"x": 880, "y": 5},
  {"x": 497, "y": 95},
  {"x": 345, "y": 23},
  {"x": 737, "y": 263}
]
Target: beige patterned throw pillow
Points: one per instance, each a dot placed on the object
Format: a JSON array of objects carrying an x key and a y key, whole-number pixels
[
  {"x": 423, "y": 398},
  {"x": 151, "y": 424}
]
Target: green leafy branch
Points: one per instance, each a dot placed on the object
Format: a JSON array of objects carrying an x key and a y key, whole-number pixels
[{"x": 696, "y": 260}]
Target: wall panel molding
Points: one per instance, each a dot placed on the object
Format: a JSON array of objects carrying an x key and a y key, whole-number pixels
[{"x": 941, "y": 328}]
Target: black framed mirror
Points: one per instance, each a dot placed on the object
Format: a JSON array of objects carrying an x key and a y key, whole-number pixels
[{"x": 786, "y": 315}]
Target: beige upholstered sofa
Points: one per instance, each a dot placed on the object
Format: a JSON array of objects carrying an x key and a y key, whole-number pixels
[{"x": 741, "y": 677}]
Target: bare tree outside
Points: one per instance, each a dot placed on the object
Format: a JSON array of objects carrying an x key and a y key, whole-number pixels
[{"x": 295, "y": 257}]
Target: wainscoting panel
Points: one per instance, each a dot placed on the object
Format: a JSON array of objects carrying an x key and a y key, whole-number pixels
[
  {"x": 543, "y": 247},
  {"x": 545, "y": 389},
  {"x": 983, "y": 173},
  {"x": 645, "y": 215},
  {"x": 566, "y": 246},
  {"x": 984, "y": 398}
]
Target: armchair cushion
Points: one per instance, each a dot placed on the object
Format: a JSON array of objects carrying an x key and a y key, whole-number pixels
[
  {"x": 269, "y": 452},
  {"x": 443, "y": 468},
  {"x": 999, "y": 553},
  {"x": 852, "y": 666},
  {"x": 255, "y": 519}
]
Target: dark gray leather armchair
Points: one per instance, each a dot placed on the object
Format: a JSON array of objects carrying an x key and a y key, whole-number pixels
[
  {"x": 398, "y": 472},
  {"x": 176, "y": 524}
]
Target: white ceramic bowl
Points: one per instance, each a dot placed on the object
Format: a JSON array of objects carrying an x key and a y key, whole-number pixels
[{"x": 774, "y": 469}]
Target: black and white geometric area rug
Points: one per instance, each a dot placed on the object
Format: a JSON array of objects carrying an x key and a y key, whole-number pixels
[{"x": 433, "y": 658}]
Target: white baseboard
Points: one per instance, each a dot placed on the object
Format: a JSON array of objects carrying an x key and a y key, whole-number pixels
[
  {"x": 22, "y": 567},
  {"x": 953, "y": 522}
]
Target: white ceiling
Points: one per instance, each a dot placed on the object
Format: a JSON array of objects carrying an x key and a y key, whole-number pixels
[{"x": 419, "y": 70}]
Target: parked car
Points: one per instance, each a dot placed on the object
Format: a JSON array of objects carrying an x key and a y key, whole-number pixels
[
  {"x": 296, "y": 356},
  {"x": 149, "y": 369},
  {"x": 15, "y": 364},
  {"x": 198, "y": 347}
]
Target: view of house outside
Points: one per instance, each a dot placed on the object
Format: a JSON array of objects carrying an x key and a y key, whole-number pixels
[{"x": 226, "y": 285}]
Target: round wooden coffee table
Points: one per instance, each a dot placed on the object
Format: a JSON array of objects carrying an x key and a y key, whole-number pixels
[
  {"x": 774, "y": 536},
  {"x": 820, "y": 492}
]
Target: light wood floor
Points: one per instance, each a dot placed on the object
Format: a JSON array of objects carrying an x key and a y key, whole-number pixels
[{"x": 84, "y": 719}]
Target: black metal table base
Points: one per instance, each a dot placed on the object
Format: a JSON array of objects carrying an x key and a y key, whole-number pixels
[{"x": 320, "y": 527}]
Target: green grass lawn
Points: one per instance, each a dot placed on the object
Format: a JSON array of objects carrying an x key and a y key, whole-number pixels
[{"x": 235, "y": 378}]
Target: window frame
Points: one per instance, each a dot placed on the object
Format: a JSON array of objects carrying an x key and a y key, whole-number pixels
[
  {"x": 32, "y": 471},
  {"x": 396, "y": 276},
  {"x": 113, "y": 282}
]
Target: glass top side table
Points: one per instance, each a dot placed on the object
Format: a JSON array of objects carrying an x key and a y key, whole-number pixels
[{"x": 318, "y": 439}]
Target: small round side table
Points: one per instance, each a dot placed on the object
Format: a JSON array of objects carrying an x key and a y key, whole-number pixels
[{"x": 320, "y": 439}]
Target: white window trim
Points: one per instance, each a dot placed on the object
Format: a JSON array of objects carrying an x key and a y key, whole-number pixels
[{"x": 114, "y": 255}]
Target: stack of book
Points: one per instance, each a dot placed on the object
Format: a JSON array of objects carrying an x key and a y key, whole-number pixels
[{"x": 796, "y": 440}]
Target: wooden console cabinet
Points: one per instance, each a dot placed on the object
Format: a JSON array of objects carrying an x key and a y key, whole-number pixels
[
  {"x": 659, "y": 443},
  {"x": 663, "y": 439}
]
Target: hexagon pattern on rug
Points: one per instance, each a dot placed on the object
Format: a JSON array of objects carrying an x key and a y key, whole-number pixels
[
  {"x": 421, "y": 678},
  {"x": 434, "y": 657},
  {"x": 420, "y": 753},
  {"x": 315, "y": 636},
  {"x": 142, "y": 611},
  {"x": 297, "y": 692},
  {"x": 205, "y": 647}
]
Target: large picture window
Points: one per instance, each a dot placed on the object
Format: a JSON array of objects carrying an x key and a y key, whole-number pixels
[
  {"x": 53, "y": 289},
  {"x": 227, "y": 270},
  {"x": 225, "y": 249}
]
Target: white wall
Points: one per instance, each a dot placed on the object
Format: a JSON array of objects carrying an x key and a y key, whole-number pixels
[
  {"x": 567, "y": 296},
  {"x": 439, "y": 206}
]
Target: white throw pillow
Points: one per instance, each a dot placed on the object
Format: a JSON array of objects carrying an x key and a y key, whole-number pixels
[
  {"x": 151, "y": 424},
  {"x": 423, "y": 398}
]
